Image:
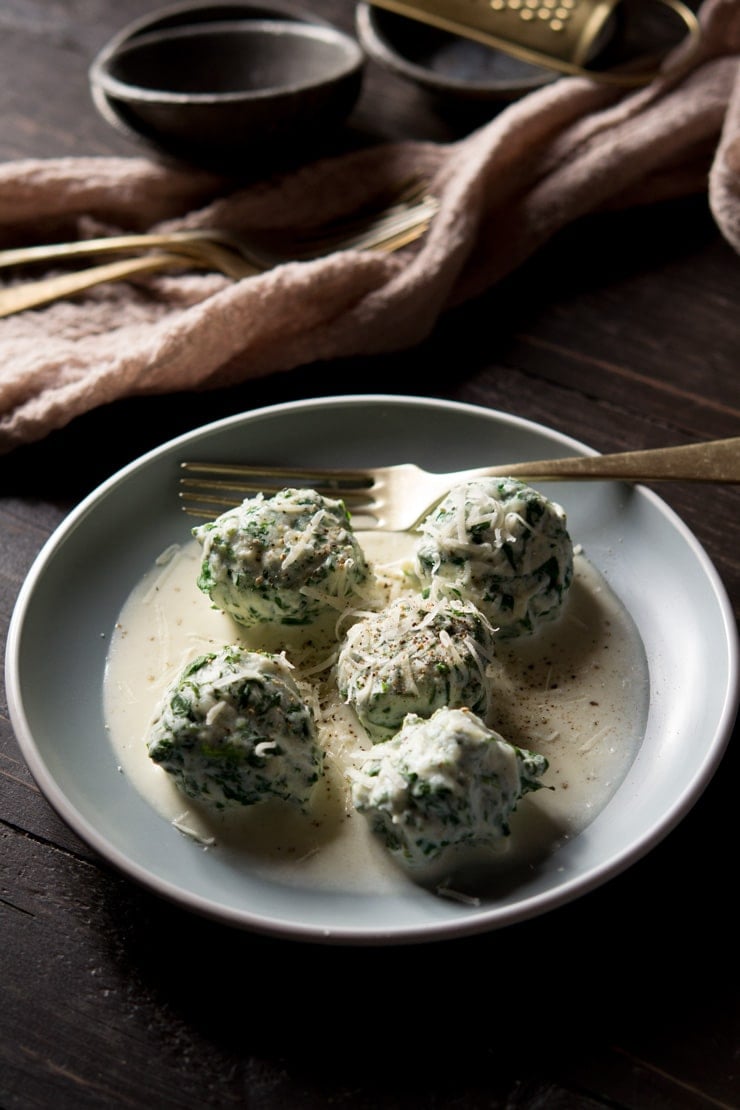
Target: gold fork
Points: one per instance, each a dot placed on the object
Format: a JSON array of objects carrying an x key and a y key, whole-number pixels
[
  {"x": 396, "y": 226},
  {"x": 397, "y": 498}
]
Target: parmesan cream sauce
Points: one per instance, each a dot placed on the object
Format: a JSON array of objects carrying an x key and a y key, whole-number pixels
[{"x": 577, "y": 692}]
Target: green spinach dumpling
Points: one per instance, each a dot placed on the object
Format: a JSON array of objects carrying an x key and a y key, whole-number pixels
[
  {"x": 504, "y": 546},
  {"x": 441, "y": 783},
  {"x": 413, "y": 657},
  {"x": 233, "y": 730},
  {"x": 285, "y": 559}
]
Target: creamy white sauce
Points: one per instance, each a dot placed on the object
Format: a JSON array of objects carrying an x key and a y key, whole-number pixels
[{"x": 577, "y": 692}]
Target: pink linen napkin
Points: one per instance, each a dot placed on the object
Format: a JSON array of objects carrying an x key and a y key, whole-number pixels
[{"x": 571, "y": 148}]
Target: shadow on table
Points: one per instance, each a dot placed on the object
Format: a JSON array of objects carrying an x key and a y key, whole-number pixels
[{"x": 625, "y": 970}]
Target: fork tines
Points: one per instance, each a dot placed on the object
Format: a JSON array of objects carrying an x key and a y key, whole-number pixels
[{"x": 209, "y": 489}]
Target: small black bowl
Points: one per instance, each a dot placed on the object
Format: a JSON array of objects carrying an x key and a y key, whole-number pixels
[
  {"x": 451, "y": 68},
  {"x": 229, "y": 92}
]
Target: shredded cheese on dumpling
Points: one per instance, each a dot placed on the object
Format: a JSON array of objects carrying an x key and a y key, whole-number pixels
[{"x": 502, "y": 545}]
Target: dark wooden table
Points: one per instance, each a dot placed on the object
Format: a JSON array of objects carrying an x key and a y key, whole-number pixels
[{"x": 622, "y": 332}]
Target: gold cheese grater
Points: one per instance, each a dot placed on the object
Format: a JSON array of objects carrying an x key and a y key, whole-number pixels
[{"x": 559, "y": 34}]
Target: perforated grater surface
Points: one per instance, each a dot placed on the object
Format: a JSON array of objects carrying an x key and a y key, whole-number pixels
[{"x": 560, "y": 34}]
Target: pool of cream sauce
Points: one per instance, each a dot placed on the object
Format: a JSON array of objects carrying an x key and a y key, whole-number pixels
[{"x": 577, "y": 692}]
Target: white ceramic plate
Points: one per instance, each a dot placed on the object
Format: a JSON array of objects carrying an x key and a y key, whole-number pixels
[{"x": 74, "y": 592}]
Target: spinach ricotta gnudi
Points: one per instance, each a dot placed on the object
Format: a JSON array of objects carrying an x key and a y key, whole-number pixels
[
  {"x": 503, "y": 545},
  {"x": 233, "y": 730},
  {"x": 443, "y": 782},
  {"x": 286, "y": 559},
  {"x": 413, "y": 657}
]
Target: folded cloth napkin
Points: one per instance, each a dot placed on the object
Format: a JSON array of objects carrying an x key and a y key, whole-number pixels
[{"x": 571, "y": 148}]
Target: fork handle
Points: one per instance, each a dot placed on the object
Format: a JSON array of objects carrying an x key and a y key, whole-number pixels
[
  {"x": 31, "y": 294},
  {"x": 714, "y": 461},
  {"x": 86, "y": 248}
]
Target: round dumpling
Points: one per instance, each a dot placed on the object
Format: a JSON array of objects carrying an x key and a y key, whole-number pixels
[
  {"x": 441, "y": 783},
  {"x": 285, "y": 559},
  {"x": 413, "y": 657},
  {"x": 499, "y": 543},
  {"x": 233, "y": 730}
]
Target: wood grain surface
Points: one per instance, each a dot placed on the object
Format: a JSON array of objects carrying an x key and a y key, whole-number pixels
[{"x": 623, "y": 332}]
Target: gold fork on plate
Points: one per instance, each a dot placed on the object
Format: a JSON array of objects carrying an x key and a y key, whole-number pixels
[
  {"x": 397, "y": 498},
  {"x": 397, "y": 224}
]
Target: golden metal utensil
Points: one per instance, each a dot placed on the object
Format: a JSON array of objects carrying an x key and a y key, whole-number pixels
[
  {"x": 557, "y": 34},
  {"x": 396, "y": 498}
]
